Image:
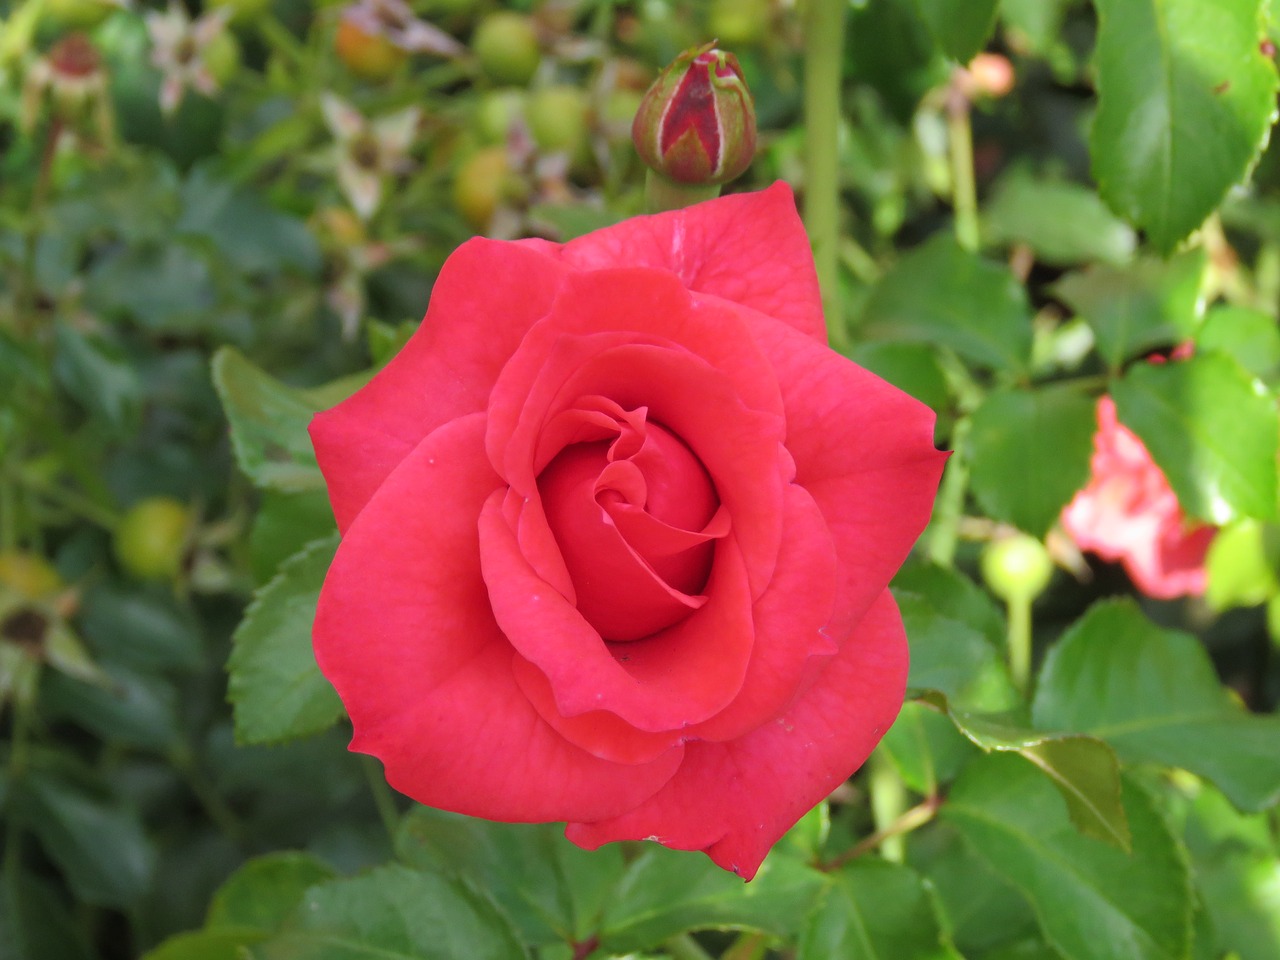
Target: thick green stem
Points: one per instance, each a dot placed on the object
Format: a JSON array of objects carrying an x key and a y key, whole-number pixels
[
  {"x": 661, "y": 194},
  {"x": 888, "y": 801},
  {"x": 964, "y": 191},
  {"x": 1019, "y": 612},
  {"x": 949, "y": 507},
  {"x": 823, "y": 44},
  {"x": 382, "y": 796}
]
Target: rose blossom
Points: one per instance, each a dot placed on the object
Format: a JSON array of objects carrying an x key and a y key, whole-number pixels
[
  {"x": 617, "y": 531},
  {"x": 1129, "y": 513}
]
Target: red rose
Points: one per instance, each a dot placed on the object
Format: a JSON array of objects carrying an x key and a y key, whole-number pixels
[
  {"x": 617, "y": 529},
  {"x": 1129, "y": 513}
]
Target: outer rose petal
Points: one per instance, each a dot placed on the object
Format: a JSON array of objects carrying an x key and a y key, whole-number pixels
[
  {"x": 748, "y": 248},
  {"x": 864, "y": 450},
  {"x": 734, "y": 800},
  {"x": 405, "y": 632},
  {"x": 445, "y": 371}
]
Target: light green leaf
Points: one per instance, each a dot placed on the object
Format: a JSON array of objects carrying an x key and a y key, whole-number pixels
[
  {"x": 269, "y": 421},
  {"x": 667, "y": 892},
  {"x": 1133, "y": 309},
  {"x": 961, "y": 27},
  {"x": 1029, "y": 453},
  {"x": 1211, "y": 429},
  {"x": 1250, "y": 336},
  {"x": 227, "y": 943},
  {"x": 1186, "y": 98},
  {"x": 1064, "y": 223},
  {"x": 1093, "y": 901},
  {"x": 940, "y": 293},
  {"x": 553, "y": 891},
  {"x": 263, "y": 892},
  {"x": 275, "y": 688},
  {"x": 874, "y": 910},
  {"x": 394, "y": 913},
  {"x": 1154, "y": 696},
  {"x": 1241, "y": 565}
]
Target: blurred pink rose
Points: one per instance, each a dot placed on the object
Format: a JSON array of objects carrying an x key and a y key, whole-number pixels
[{"x": 1128, "y": 513}]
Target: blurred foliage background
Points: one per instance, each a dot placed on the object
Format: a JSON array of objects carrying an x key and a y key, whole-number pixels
[{"x": 216, "y": 219}]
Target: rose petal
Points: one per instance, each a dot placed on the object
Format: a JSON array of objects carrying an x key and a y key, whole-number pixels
[
  {"x": 791, "y": 623},
  {"x": 735, "y": 800},
  {"x": 748, "y": 248},
  {"x": 864, "y": 450},
  {"x": 679, "y": 676},
  {"x": 405, "y": 632},
  {"x": 445, "y": 371}
]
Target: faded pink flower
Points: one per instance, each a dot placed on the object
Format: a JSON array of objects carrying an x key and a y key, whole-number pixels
[{"x": 1128, "y": 513}]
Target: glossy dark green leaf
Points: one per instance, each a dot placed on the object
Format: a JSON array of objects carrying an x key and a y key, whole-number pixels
[
  {"x": 1029, "y": 453},
  {"x": 263, "y": 892},
  {"x": 553, "y": 891},
  {"x": 1065, "y": 223},
  {"x": 667, "y": 892},
  {"x": 97, "y": 842},
  {"x": 984, "y": 912},
  {"x": 1154, "y": 696},
  {"x": 394, "y": 913},
  {"x": 1211, "y": 429},
  {"x": 275, "y": 687},
  {"x": 1093, "y": 901},
  {"x": 1250, "y": 336},
  {"x": 960, "y": 27},
  {"x": 872, "y": 910},
  {"x": 1185, "y": 99},
  {"x": 940, "y": 293},
  {"x": 1135, "y": 308}
]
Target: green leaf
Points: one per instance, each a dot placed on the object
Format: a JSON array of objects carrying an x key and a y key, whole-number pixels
[
  {"x": 263, "y": 892},
  {"x": 1185, "y": 102},
  {"x": 1210, "y": 428},
  {"x": 553, "y": 891},
  {"x": 1083, "y": 769},
  {"x": 131, "y": 708},
  {"x": 1064, "y": 223},
  {"x": 1093, "y": 901},
  {"x": 961, "y": 27},
  {"x": 224, "y": 944},
  {"x": 667, "y": 892},
  {"x": 286, "y": 522},
  {"x": 97, "y": 375},
  {"x": 911, "y": 367},
  {"x": 940, "y": 293},
  {"x": 873, "y": 910},
  {"x": 926, "y": 748},
  {"x": 1241, "y": 565},
  {"x": 139, "y": 629},
  {"x": 394, "y": 913},
  {"x": 949, "y": 655},
  {"x": 275, "y": 687},
  {"x": 36, "y": 923},
  {"x": 1133, "y": 309},
  {"x": 166, "y": 288},
  {"x": 98, "y": 843},
  {"x": 1029, "y": 453},
  {"x": 953, "y": 595},
  {"x": 1154, "y": 696},
  {"x": 1250, "y": 336},
  {"x": 268, "y": 424}
]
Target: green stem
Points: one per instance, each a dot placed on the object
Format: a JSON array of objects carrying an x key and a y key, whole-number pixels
[
  {"x": 908, "y": 820},
  {"x": 215, "y": 808},
  {"x": 888, "y": 801},
  {"x": 382, "y": 797},
  {"x": 661, "y": 194},
  {"x": 949, "y": 507},
  {"x": 964, "y": 191},
  {"x": 823, "y": 43},
  {"x": 1019, "y": 611}
]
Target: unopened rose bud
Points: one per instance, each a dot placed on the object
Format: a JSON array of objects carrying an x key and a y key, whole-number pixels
[{"x": 697, "y": 123}]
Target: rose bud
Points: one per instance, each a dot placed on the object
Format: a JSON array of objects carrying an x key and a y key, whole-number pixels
[{"x": 697, "y": 123}]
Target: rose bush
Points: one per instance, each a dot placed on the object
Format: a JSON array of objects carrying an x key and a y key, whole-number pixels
[
  {"x": 617, "y": 533},
  {"x": 1128, "y": 513}
]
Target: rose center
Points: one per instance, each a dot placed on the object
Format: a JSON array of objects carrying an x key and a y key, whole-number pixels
[{"x": 636, "y": 518}]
